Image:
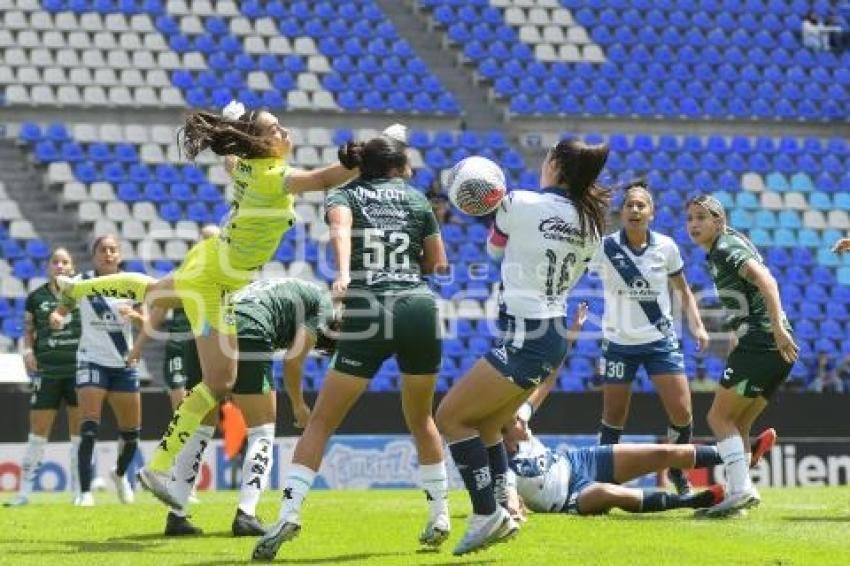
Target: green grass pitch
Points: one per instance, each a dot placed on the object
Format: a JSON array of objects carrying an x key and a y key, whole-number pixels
[{"x": 793, "y": 526}]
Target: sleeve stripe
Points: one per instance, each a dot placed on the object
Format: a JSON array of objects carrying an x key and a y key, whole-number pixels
[{"x": 497, "y": 237}]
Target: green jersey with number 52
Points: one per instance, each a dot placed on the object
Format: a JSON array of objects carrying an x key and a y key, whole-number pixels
[{"x": 390, "y": 222}]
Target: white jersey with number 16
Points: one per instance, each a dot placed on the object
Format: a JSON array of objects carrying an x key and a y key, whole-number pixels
[{"x": 545, "y": 253}]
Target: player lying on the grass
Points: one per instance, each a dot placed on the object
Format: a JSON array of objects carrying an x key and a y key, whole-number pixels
[
  {"x": 272, "y": 314},
  {"x": 586, "y": 481}
]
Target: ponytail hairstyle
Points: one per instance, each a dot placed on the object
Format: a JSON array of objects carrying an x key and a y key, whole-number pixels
[
  {"x": 715, "y": 208},
  {"x": 578, "y": 166},
  {"x": 638, "y": 185},
  {"x": 376, "y": 158},
  {"x": 242, "y": 137}
]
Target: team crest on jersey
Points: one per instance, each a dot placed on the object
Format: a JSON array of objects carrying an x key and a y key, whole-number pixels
[{"x": 501, "y": 354}]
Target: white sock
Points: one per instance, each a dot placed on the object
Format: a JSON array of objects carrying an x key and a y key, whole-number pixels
[
  {"x": 735, "y": 462},
  {"x": 435, "y": 482},
  {"x": 74, "y": 458},
  {"x": 31, "y": 463},
  {"x": 296, "y": 485},
  {"x": 187, "y": 465},
  {"x": 256, "y": 467}
]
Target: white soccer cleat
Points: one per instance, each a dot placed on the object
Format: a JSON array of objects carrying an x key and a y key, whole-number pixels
[
  {"x": 436, "y": 531},
  {"x": 84, "y": 499},
  {"x": 157, "y": 483},
  {"x": 732, "y": 504},
  {"x": 123, "y": 488},
  {"x": 17, "y": 501},
  {"x": 268, "y": 545},
  {"x": 485, "y": 530},
  {"x": 65, "y": 284}
]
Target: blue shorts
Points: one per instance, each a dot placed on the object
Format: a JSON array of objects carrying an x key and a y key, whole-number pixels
[
  {"x": 112, "y": 379},
  {"x": 528, "y": 349},
  {"x": 622, "y": 362},
  {"x": 587, "y": 466}
]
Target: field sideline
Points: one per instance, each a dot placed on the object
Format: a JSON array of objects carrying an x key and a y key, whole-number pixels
[{"x": 793, "y": 526}]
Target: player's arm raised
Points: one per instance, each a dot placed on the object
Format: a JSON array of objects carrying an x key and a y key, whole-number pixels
[
  {"x": 758, "y": 275},
  {"x": 301, "y": 181}
]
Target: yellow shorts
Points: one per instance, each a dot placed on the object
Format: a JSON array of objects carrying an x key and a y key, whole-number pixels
[{"x": 205, "y": 284}]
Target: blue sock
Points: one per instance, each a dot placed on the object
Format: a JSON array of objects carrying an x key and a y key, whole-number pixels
[
  {"x": 498, "y": 457},
  {"x": 471, "y": 459},
  {"x": 707, "y": 456},
  {"x": 655, "y": 501},
  {"x": 129, "y": 440},
  {"x": 609, "y": 434},
  {"x": 88, "y": 436}
]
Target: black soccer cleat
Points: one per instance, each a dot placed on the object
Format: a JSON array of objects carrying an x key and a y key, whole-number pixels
[
  {"x": 177, "y": 526},
  {"x": 245, "y": 525}
]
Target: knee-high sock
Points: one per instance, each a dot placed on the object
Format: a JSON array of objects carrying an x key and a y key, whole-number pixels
[
  {"x": 655, "y": 501},
  {"x": 88, "y": 436},
  {"x": 187, "y": 465},
  {"x": 609, "y": 434},
  {"x": 296, "y": 486},
  {"x": 435, "y": 482},
  {"x": 470, "y": 456},
  {"x": 736, "y": 463},
  {"x": 129, "y": 285},
  {"x": 198, "y": 402},
  {"x": 256, "y": 466},
  {"x": 31, "y": 463},
  {"x": 498, "y": 457},
  {"x": 128, "y": 441},
  {"x": 74, "y": 459}
]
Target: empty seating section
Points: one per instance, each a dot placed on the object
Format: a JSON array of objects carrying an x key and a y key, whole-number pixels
[
  {"x": 323, "y": 56},
  {"x": 672, "y": 58}
]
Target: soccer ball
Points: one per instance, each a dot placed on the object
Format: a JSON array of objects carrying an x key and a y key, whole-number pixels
[{"x": 476, "y": 185}]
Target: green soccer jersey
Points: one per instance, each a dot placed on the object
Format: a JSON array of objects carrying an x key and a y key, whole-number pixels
[
  {"x": 271, "y": 310},
  {"x": 391, "y": 220},
  {"x": 55, "y": 350},
  {"x": 740, "y": 297},
  {"x": 178, "y": 328}
]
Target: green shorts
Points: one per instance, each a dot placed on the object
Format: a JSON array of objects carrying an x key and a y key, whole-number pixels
[
  {"x": 374, "y": 328},
  {"x": 253, "y": 371},
  {"x": 755, "y": 373},
  {"x": 49, "y": 392},
  {"x": 172, "y": 365}
]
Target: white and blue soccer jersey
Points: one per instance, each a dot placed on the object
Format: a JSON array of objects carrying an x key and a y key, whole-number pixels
[
  {"x": 106, "y": 336},
  {"x": 545, "y": 252},
  {"x": 541, "y": 475},
  {"x": 636, "y": 287}
]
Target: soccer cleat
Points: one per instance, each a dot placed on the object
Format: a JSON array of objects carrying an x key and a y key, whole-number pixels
[
  {"x": 245, "y": 525},
  {"x": 177, "y": 526},
  {"x": 17, "y": 501},
  {"x": 764, "y": 442},
  {"x": 483, "y": 531},
  {"x": 157, "y": 484},
  {"x": 732, "y": 503},
  {"x": 680, "y": 481},
  {"x": 268, "y": 545},
  {"x": 65, "y": 284},
  {"x": 84, "y": 499},
  {"x": 123, "y": 488},
  {"x": 436, "y": 532}
]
